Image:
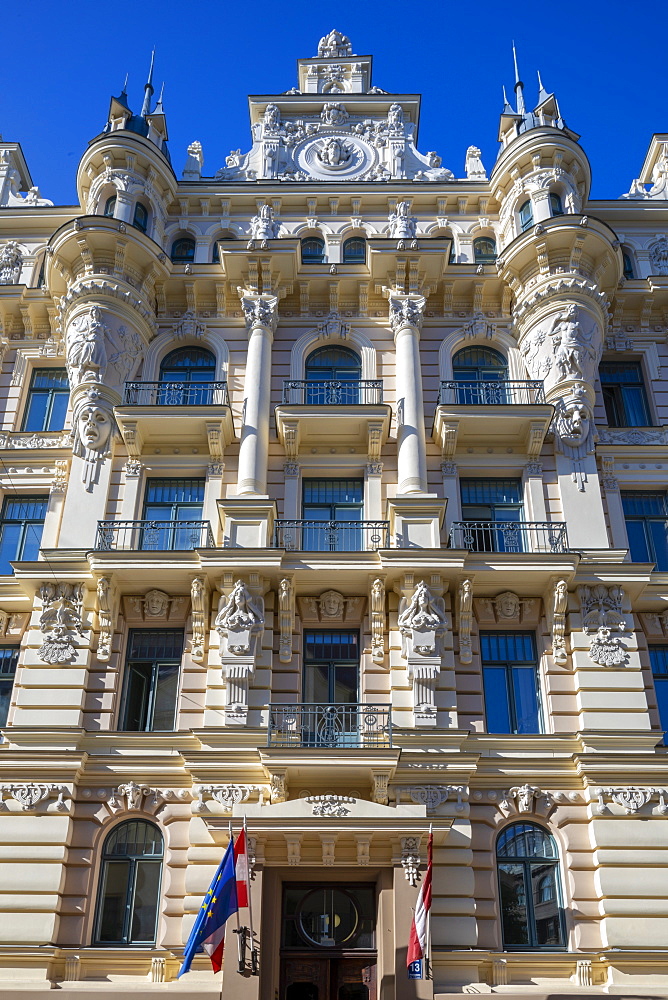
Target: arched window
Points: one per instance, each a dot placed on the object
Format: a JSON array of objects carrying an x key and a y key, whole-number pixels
[
  {"x": 556, "y": 204},
  {"x": 140, "y": 220},
  {"x": 354, "y": 251},
  {"x": 186, "y": 377},
  {"x": 183, "y": 250},
  {"x": 528, "y": 867},
  {"x": 333, "y": 376},
  {"x": 629, "y": 272},
  {"x": 478, "y": 372},
  {"x": 313, "y": 250},
  {"x": 484, "y": 250},
  {"x": 110, "y": 206},
  {"x": 526, "y": 215},
  {"x": 127, "y": 906}
]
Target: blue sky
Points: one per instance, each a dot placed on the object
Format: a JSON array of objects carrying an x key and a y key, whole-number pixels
[{"x": 607, "y": 63}]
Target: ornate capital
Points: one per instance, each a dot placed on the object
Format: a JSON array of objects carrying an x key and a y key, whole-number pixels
[
  {"x": 259, "y": 310},
  {"x": 406, "y": 311}
]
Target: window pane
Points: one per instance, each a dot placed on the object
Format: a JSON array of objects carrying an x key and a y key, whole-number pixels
[
  {"x": 638, "y": 541},
  {"x": 661, "y": 688},
  {"x": 32, "y": 540},
  {"x": 59, "y": 402},
  {"x": 497, "y": 707},
  {"x": 504, "y": 647},
  {"x": 331, "y": 491},
  {"x": 527, "y": 716},
  {"x": 658, "y": 531},
  {"x": 545, "y": 905},
  {"x": 114, "y": 900},
  {"x": 9, "y": 546},
  {"x": 513, "y": 904},
  {"x": 491, "y": 491},
  {"x": 525, "y": 840},
  {"x": 137, "y": 697},
  {"x": 345, "y": 684},
  {"x": 640, "y": 504},
  {"x": 8, "y": 659},
  {"x": 36, "y": 413},
  {"x": 155, "y": 644},
  {"x": 145, "y": 908},
  {"x": 316, "y": 683},
  {"x": 635, "y": 406},
  {"x": 164, "y": 709}
]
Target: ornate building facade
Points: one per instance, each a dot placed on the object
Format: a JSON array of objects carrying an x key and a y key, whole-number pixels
[{"x": 334, "y": 495}]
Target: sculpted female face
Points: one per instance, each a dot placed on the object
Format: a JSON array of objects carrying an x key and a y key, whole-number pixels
[{"x": 94, "y": 426}]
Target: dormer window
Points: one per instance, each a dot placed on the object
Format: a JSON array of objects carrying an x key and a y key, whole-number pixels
[
  {"x": 354, "y": 251},
  {"x": 110, "y": 206},
  {"x": 183, "y": 250},
  {"x": 140, "y": 220},
  {"x": 526, "y": 215},
  {"x": 313, "y": 250},
  {"x": 484, "y": 250},
  {"x": 556, "y": 205}
]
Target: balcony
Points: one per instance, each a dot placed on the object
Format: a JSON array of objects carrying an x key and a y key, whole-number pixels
[
  {"x": 338, "y": 414},
  {"x": 332, "y": 536},
  {"x": 509, "y": 536},
  {"x": 173, "y": 417},
  {"x": 500, "y": 413},
  {"x": 153, "y": 536},
  {"x": 330, "y": 726}
]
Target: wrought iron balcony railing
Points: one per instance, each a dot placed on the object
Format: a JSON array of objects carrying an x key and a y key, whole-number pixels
[
  {"x": 330, "y": 726},
  {"x": 153, "y": 536},
  {"x": 501, "y": 393},
  {"x": 332, "y": 536},
  {"x": 176, "y": 394},
  {"x": 509, "y": 536},
  {"x": 333, "y": 393}
]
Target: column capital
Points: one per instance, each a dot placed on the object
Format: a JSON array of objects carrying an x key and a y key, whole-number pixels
[
  {"x": 406, "y": 311},
  {"x": 259, "y": 310}
]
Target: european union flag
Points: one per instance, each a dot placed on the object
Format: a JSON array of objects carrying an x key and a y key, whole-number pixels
[{"x": 219, "y": 904}]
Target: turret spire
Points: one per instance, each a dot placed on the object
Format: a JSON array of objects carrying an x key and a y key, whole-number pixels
[
  {"x": 519, "y": 87},
  {"x": 542, "y": 93},
  {"x": 159, "y": 110},
  {"x": 148, "y": 89},
  {"x": 507, "y": 108}
]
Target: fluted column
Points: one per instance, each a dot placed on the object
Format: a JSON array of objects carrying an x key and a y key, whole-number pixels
[
  {"x": 261, "y": 312},
  {"x": 406, "y": 313}
]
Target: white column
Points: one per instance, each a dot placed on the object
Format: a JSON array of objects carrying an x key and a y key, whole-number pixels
[
  {"x": 261, "y": 312},
  {"x": 406, "y": 312}
]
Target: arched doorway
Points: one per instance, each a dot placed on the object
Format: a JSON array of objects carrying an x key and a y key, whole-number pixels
[
  {"x": 479, "y": 374},
  {"x": 333, "y": 376}
]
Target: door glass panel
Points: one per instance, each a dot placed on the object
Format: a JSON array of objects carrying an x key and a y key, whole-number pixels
[
  {"x": 513, "y": 904},
  {"x": 145, "y": 910},
  {"x": 526, "y": 700},
  {"x": 345, "y": 684},
  {"x": 497, "y": 707},
  {"x": 316, "y": 683},
  {"x": 638, "y": 541},
  {"x": 545, "y": 904},
  {"x": 114, "y": 894},
  {"x": 164, "y": 708},
  {"x": 659, "y": 535},
  {"x": 136, "y": 697}
]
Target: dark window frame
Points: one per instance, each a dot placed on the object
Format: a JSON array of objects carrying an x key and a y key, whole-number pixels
[
  {"x": 527, "y": 862},
  {"x": 133, "y": 860},
  {"x": 26, "y": 524},
  {"x": 646, "y": 519},
  {"x": 660, "y": 680},
  {"x": 556, "y": 204},
  {"x": 140, "y": 224},
  {"x": 142, "y": 703},
  {"x": 110, "y": 207},
  {"x": 513, "y": 668},
  {"x": 53, "y": 394},
  {"x": 484, "y": 256},
  {"x": 310, "y": 256},
  {"x": 8, "y": 667},
  {"x": 617, "y": 394},
  {"x": 331, "y": 662},
  {"x": 351, "y": 254},
  {"x": 525, "y": 215},
  {"x": 178, "y": 254}
]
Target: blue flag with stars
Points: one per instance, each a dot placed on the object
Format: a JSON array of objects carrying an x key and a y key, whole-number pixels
[{"x": 219, "y": 904}]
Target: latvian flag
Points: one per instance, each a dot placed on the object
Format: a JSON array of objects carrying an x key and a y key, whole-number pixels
[
  {"x": 227, "y": 892},
  {"x": 417, "y": 942}
]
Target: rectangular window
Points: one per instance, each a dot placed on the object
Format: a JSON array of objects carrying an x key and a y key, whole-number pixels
[
  {"x": 179, "y": 503},
  {"x": 331, "y": 679},
  {"x": 510, "y": 679},
  {"x": 624, "y": 394},
  {"x": 47, "y": 400},
  {"x": 152, "y": 667},
  {"x": 21, "y": 529},
  {"x": 9, "y": 656},
  {"x": 331, "y": 508},
  {"x": 494, "y": 511},
  {"x": 646, "y": 516},
  {"x": 658, "y": 657}
]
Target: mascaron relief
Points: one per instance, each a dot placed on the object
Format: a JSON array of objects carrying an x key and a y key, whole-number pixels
[{"x": 602, "y": 615}]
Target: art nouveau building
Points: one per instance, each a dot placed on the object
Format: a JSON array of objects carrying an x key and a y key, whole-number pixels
[{"x": 334, "y": 494}]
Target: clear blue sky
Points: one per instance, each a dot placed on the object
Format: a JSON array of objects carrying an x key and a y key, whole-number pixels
[{"x": 606, "y": 61}]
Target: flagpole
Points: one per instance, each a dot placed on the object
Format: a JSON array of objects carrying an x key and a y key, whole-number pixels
[
  {"x": 241, "y": 958},
  {"x": 254, "y": 968},
  {"x": 427, "y": 944}
]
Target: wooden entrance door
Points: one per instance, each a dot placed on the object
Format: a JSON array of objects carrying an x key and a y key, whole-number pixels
[{"x": 328, "y": 978}]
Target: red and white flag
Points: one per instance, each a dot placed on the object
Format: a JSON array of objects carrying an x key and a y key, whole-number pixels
[
  {"x": 417, "y": 942},
  {"x": 241, "y": 868}
]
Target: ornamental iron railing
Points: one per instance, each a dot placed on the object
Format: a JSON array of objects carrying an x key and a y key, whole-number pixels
[
  {"x": 332, "y": 536},
  {"x": 509, "y": 536},
  {"x": 176, "y": 394},
  {"x": 333, "y": 393},
  {"x": 500, "y": 393},
  {"x": 153, "y": 536},
  {"x": 330, "y": 726}
]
